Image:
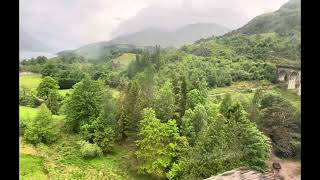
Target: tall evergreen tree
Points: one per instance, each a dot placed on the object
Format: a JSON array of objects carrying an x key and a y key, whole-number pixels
[{"x": 164, "y": 104}]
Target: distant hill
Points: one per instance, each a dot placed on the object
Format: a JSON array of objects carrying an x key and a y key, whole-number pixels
[
  {"x": 282, "y": 21},
  {"x": 181, "y": 36},
  {"x": 147, "y": 38},
  {"x": 102, "y": 50}
]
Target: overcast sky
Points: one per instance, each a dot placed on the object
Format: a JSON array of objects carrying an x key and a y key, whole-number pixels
[{"x": 68, "y": 24}]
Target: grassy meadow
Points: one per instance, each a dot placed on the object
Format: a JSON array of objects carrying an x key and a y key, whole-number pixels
[
  {"x": 32, "y": 81},
  {"x": 244, "y": 91},
  {"x": 125, "y": 59}
]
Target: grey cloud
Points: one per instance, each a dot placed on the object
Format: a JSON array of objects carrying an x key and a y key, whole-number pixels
[{"x": 66, "y": 24}]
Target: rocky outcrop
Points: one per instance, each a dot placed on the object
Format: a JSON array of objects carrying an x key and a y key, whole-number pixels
[{"x": 245, "y": 174}]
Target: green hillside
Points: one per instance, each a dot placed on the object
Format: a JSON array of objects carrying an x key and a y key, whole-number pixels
[{"x": 284, "y": 21}]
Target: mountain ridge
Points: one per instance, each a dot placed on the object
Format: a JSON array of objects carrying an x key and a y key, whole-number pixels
[
  {"x": 151, "y": 36},
  {"x": 285, "y": 20}
]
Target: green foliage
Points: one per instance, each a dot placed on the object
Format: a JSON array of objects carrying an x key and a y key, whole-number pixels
[
  {"x": 193, "y": 122},
  {"x": 195, "y": 97},
  {"x": 225, "y": 106},
  {"x": 41, "y": 128},
  {"x": 164, "y": 102},
  {"x": 180, "y": 91},
  {"x": 254, "y": 107},
  {"x": 271, "y": 99},
  {"x": 136, "y": 95},
  {"x": 99, "y": 132},
  {"x": 277, "y": 122},
  {"x": 53, "y": 101},
  {"x": 31, "y": 167},
  {"x": 84, "y": 103},
  {"x": 175, "y": 85},
  {"x": 27, "y": 97},
  {"x": 264, "y": 46},
  {"x": 129, "y": 109},
  {"x": 202, "y": 51},
  {"x": 88, "y": 150},
  {"x": 227, "y": 143},
  {"x": 159, "y": 145},
  {"x": 47, "y": 84}
]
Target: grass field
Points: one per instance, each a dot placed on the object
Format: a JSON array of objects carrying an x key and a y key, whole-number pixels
[
  {"x": 26, "y": 113},
  {"x": 30, "y": 81},
  {"x": 31, "y": 167},
  {"x": 125, "y": 59},
  {"x": 63, "y": 92},
  {"x": 62, "y": 160},
  {"x": 245, "y": 90}
]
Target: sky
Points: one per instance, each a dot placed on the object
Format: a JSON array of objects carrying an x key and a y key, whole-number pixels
[{"x": 69, "y": 24}]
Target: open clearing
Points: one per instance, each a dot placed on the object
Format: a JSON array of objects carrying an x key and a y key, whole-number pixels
[
  {"x": 244, "y": 91},
  {"x": 26, "y": 113},
  {"x": 32, "y": 81},
  {"x": 62, "y": 160},
  {"x": 125, "y": 59}
]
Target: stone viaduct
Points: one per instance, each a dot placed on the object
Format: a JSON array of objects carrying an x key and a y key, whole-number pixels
[{"x": 291, "y": 76}]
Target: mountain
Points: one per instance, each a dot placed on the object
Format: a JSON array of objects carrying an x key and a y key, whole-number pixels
[
  {"x": 150, "y": 37},
  {"x": 29, "y": 43},
  {"x": 170, "y": 19},
  {"x": 282, "y": 21},
  {"x": 102, "y": 50},
  {"x": 184, "y": 35}
]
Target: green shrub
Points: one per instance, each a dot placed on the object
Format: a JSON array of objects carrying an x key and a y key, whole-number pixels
[
  {"x": 41, "y": 128},
  {"x": 88, "y": 150},
  {"x": 105, "y": 139},
  {"x": 22, "y": 127},
  {"x": 100, "y": 133},
  {"x": 47, "y": 84}
]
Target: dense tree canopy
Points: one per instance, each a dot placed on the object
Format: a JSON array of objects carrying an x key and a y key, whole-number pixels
[{"x": 84, "y": 103}]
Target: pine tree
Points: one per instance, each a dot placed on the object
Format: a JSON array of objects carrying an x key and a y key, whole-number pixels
[
  {"x": 129, "y": 112},
  {"x": 164, "y": 102}
]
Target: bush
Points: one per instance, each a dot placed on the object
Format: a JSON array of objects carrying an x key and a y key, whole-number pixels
[
  {"x": 100, "y": 133},
  {"x": 195, "y": 97},
  {"x": 53, "y": 101},
  {"x": 41, "y": 129},
  {"x": 22, "y": 127},
  {"x": 47, "y": 84},
  {"x": 88, "y": 150},
  {"x": 27, "y": 98},
  {"x": 105, "y": 139},
  {"x": 272, "y": 99}
]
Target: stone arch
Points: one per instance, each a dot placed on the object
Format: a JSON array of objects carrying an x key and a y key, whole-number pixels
[
  {"x": 282, "y": 75},
  {"x": 292, "y": 80}
]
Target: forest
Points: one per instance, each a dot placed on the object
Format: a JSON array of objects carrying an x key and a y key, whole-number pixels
[
  {"x": 142, "y": 113},
  {"x": 158, "y": 106}
]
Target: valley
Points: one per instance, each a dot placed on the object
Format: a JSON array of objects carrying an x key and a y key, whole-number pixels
[{"x": 199, "y": 102}]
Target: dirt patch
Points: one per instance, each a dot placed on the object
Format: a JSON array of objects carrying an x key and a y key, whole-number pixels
[
  {"x": 27, "y": 149},
  {"x": 290, "y": 170}
]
